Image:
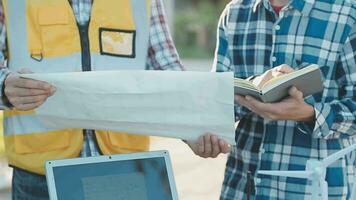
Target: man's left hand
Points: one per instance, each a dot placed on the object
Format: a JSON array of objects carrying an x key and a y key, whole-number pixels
[{"x": 290, "y": 108}]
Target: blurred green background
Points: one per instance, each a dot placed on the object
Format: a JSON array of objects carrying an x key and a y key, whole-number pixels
[{"x": 194, "y": 27}]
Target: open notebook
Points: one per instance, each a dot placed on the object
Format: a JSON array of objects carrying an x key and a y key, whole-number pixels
[{"x": 308, "y": 80}]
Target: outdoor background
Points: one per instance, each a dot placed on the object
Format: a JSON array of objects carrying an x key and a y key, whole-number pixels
[{"x": 193, "y": 25}]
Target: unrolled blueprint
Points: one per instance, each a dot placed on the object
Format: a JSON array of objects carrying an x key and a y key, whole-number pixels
[{"x": 181, "y": 105}]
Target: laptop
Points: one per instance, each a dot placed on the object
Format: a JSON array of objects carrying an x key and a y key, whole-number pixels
[{"x": 136, "y": 176}]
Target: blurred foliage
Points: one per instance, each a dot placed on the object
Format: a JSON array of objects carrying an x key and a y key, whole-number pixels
[{"x": 195, "y": 25}]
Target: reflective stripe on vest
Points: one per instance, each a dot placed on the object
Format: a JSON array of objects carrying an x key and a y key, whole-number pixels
[{"x": 23, "y": 124}]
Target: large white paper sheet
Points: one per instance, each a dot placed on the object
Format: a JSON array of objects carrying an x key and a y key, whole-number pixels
[{"x": 181, "y": 105}]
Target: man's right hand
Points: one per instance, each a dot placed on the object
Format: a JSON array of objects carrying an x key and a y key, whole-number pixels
[
  {"x": 259, "y": 81},
  {"x": 26, "y": 94}
]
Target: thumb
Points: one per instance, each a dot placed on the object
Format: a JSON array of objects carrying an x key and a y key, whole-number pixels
[
  {"x": 196, "y": 145},
  {"x": 286, "y": 69},
  {"x": 224, "y": 146},
  {"x": 295, "y": 93}
]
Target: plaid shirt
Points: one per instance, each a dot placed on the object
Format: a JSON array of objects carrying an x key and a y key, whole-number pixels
[
  {"x": 252, "y": 39},
  {"x": 162, "y": 54}
]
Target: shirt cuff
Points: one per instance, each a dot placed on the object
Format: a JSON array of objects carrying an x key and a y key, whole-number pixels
[
  {"x": 4, "y": 103},
  {"x": 319, "y": 128}
]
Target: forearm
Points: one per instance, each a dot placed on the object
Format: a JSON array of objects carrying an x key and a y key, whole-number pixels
[
  {"x": 4, "y": 72},
  {"x": 162, "y": 54},
  {"x": 333, "y": 120},
  {"x": 335, "y": 107}
]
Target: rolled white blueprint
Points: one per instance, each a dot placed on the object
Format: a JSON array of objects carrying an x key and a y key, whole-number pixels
[{"x": 181, "y": 105}]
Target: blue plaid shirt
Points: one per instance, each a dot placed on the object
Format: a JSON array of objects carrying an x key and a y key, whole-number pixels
[{"x": 252, "y": 39}]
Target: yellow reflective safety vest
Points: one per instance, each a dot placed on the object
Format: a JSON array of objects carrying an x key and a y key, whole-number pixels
[
  {"x": 2, "y": 144},
  {"x": 45, "y": 37}
]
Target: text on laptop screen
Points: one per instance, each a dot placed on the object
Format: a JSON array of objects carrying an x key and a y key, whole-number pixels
[{"x": 140, "y": 179}]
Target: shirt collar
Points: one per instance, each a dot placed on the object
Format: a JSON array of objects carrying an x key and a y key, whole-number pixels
[{"x": 303, "y": 6}]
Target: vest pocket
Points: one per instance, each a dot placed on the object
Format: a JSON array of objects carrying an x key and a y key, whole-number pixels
[
  {"x": 117, "y": 42},
  {"x": 41, "y": 142},
  {"x": 53, "y": 15},
  {"x": 52, "y": 31}
]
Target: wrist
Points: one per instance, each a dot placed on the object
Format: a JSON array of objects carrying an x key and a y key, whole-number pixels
[
  {"x": 310, "y": 114},
  {"x": 5, "y": 100}
]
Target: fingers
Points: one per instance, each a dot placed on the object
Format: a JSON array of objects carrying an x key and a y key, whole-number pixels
[
  {"x": 25, "y": 94},
  {"x": 281, "y": 70},
  {"x": 14, "y": 80},
  {"x": 33, "y": 84},
  {"x": 238, "y": 98},
  {"x": 201, "y": 146},
  {"x": 243, "y": 102},
  {"x": 21, "y": 92},
  {"x": 277, "y": 73},
  {"x": 266, "y": 110},
  {"x": 296, "y": 94},
  {"x": 285, "y": 69},
  {"x": 260, "y": 81},
  {"x": 209, "y": 146},
  {"x": 257, "y": 104},
  {"x": 249, "y": 105},
  {"x": 216, "y": 147},
  {"x": 29, "y": 99},
  {"x": 253, "y": 104},
  {"x": 197, "y": 146},
  {"x": 30, "y": 106},
  {"x": 224, "y": 146},
  {"x": 288, "y": 109},
  {"x": 28, "y": 103}
]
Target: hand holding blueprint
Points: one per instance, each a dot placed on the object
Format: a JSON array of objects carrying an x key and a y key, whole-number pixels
[{"x": 181, "y": 105}]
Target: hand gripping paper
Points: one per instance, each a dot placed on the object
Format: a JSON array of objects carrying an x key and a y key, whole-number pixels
[{"x": 181, "y": 105}]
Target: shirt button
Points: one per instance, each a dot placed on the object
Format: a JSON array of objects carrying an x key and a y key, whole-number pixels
[
  {"x": 257, "y": 180},
  {"x": 274, "y": 59},
  {"x": 263, "y": 151},
  {"x": 277, "y": 27}
]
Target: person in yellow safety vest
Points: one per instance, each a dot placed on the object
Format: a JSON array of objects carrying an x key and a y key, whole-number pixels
[
  {"x": 69, "y": 36},
  {"x": 5, "y": 171},
  {"x": 2, "y": 144}
]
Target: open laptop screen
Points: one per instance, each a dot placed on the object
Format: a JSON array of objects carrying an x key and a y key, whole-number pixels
[{"x": 136, "y": 179}]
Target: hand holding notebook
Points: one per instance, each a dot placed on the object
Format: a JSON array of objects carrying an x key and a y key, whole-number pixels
[
  {"x": 282, "y": 97},
  {"x": 308, "y": 80}
]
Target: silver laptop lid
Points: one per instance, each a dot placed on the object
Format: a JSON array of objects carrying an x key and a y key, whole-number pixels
[{"x": 136, "y": 176}]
